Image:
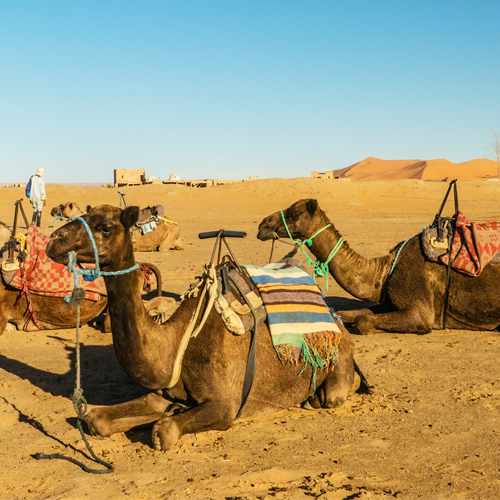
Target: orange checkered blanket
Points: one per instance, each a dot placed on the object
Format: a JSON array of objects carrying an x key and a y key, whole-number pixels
[
  {"x": 46, "y": 277},
  {"x": 474, "y": 245}
]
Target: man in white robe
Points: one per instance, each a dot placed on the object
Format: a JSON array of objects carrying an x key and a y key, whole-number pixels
[{"x": 37, "y": 196}]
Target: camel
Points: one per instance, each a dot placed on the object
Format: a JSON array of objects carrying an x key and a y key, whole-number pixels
[
  {"x": 5, "y": 233},
  {"x": 414, "y": 292},
  {"x": 52, "y": 313},
  {"x": 166, "y": 236},
  {"x": 213, "y": 366}
]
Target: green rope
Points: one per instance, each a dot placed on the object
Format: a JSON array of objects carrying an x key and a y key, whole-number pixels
[{"x": 320, "y": 268}]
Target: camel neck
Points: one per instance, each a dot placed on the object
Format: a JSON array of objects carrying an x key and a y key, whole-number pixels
[
  {"x": 360, "y": 276},
  {"x": 139, "y": 342}
]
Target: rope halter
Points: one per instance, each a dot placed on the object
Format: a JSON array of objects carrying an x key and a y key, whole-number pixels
[
  {"x": 91, "y": 274},
  {"x": 60, "y": 216},
  {"x": 320, "y": 268}
]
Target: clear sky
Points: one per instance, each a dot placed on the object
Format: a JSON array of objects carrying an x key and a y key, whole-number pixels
[{"x": 229, "y": 89}]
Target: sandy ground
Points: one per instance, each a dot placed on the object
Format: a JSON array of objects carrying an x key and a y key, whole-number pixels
[{"x": 429, "y": 430}]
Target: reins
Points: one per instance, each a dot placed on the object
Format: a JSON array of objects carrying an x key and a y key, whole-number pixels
[
  {"x": 79, "y": 401},
  {"x": 320, "y": 268}
]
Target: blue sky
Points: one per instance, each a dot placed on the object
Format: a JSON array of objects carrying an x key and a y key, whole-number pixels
[{"x": 229, "y": 89}]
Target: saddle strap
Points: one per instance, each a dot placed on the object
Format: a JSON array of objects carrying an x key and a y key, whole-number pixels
[
  {"x": 209, "y": 289},
  {"x": 252, "y": 357}
]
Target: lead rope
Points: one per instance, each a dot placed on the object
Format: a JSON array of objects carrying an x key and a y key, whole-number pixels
[
  {"x": 79, "y": 401},
  {"x": 320, "y": 268}
]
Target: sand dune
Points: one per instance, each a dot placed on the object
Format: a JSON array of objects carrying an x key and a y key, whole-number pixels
[{"x": 375, "y": 169}]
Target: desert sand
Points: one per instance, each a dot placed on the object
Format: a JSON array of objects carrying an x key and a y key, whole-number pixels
[
  {"x": 429, "y": 430},
  {"x": 376, "y": 169}
]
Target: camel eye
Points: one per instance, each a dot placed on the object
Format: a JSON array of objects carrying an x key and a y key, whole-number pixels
[
  {"x": 293, "y": 217},
  {"x": 106, "y": 230}
]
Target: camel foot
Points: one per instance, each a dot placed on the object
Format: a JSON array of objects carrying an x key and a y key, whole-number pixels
[
  {"x": 165, "y": 434},
  {"x": 307, "y": 406},
  {"x": 97, "y": 425},
  {"x": 363, "y": 325}
]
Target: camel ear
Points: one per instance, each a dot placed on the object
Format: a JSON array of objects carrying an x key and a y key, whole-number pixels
[
  {"x": 89, "y": 208},
  {"x": 311, "y": 206},
  {"x": 129, "y": 216},
  {"x": 70, "y": 206}
]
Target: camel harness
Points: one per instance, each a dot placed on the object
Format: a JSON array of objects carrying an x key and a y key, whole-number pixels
[
  {"x": 320, "y": 268},
  {"x": 79, "y": 401},
  {"x": 208, "y": 287},
  {"x": 60, "y": 216}
]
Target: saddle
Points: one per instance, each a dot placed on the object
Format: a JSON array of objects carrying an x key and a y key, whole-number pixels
[
  {"x": 236, "y": 298},
  {"x": 146, "y": 213}
]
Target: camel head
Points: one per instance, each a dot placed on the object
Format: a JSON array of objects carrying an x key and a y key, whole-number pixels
[
  {"x": 66, "y": 210},
  {"x": 303, "y": 218},
  {"x": 110, "y": 228}
]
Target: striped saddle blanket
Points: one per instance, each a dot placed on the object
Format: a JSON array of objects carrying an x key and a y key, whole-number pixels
[{"x": 302, "y": 327}]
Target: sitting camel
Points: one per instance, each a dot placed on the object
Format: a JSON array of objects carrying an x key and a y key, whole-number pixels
[
  {"x": 411, "y": 299},
  {"x": 166, "y": 236},
  {"x": 39, "y": 308},
  {"x": 214, "y": 362},
  {"x": 53, "y": 313}
]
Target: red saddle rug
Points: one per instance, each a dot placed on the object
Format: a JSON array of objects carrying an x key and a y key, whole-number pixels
[
  {"x": 474, "y": 245},
  {"x": 46, "y": 277}
]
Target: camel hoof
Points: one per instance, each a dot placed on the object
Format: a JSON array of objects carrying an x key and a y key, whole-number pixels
[
  {"x": 362, "y": 325},
  {"x": 165, "y": 434},
  {"x": 307, "y": 406},
  {"x": 335, "y": 403},
  {"x": 96, "y": 425}
]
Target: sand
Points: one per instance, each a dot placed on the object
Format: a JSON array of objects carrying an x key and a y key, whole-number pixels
[
  {"x": 375, "y": 169},
  {"x": 429, "y": 430}
]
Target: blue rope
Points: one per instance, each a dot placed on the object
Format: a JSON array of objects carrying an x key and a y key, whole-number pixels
[
  {"x": 397, "y": 255},
  {"x": 320, "y": 268},
  {"x": 394, "y": 265},
  {"x": 61, "y": 217},
  {"x": 91, "y": 274}
]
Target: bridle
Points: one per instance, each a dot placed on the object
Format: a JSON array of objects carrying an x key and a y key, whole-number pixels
[{"x": 320, "y": 268}]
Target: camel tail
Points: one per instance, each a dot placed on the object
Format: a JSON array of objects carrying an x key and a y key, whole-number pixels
[{"x": 364, "y": 387}]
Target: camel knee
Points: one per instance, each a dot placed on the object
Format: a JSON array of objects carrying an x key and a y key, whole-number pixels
[{"x": 338, "y": 383}]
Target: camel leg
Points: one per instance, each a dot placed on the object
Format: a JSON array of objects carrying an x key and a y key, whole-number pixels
[
  {"x": 418, "y": 319},
  {"x": 167, "y": 243},
  {"x": 350, "y": 316},
  {"x": 333, "y": 392},
  {"x": 109, "y": 420},
  {"x": 106, "y": 324},
  {"x": 3, "y": 321},
  {"x": 210, "y": 415}
]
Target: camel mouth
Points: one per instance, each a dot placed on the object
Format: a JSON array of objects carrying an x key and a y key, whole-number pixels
[
  {"x": 265, "y": 233},
  {"x": 61, "y": 256}
]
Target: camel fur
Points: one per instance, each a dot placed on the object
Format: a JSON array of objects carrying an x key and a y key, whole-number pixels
[
  {"x": 165, "y": 237},
  {"x": 414, "y": 292},
  {"x": 214, "y": 363},
  {"x": 5, "y": 233}
]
